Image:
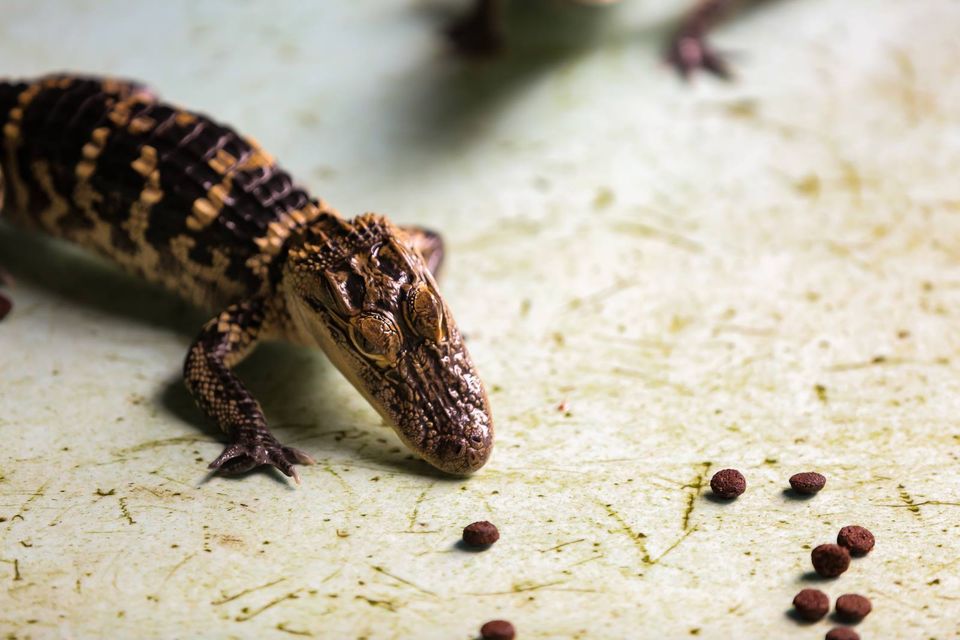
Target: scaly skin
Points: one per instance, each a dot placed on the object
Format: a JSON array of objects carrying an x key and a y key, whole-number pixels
[{"x": 185, "y": 202}]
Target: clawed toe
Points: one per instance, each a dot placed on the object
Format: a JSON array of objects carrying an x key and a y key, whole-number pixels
[
  {"x": 241, "y": 457},
  {"x": 688, "y": 53}
]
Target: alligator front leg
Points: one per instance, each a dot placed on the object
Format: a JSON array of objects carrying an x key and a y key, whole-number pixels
[
  {"x": 223, "y": 342},
  {"x": 429, "y": 244},
  {"x": 689, "y": 49}
]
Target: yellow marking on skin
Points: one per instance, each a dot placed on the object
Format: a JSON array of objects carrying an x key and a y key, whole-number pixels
[
  {"x": 141, "y": 124},
  {"x": 85, "y": 170},
  {"x": 121, "y": 112},
  {"x": 90, "y": 152},
  {"x": 279, "y": 231},
  {"x": 195, "y": 275},
  {"x": 203, "y": 214},
  {"x": 208, "y": 208},
  {"x": 59, "y": 207},
  {"x": 99, "y": 135},
  {"x": 257, "y": 158},
  {"x": 147, "y": 162},
  {"x": 223, "y": 162},
  {"x": 11, "y": 133},
  {"x": 138, "y": 222},
  {"x": 184, "y": 118},
  {"x": 219, "y": 193},
  {"x": 112, "y": 85}
]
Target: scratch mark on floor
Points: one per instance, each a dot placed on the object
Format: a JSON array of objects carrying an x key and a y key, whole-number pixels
[
  {"x": 403, "y": 580},
  {"x": 153, "y": 444},
  {"x": 225, "y": 598},
  {"x": 518, "y": 588},
  {"x": 697, "y": 487},
  {"x": 246, "y": 614},
  {"x": 383, "y": 604},
  {"x": 618, "y": 286},
  {"x": 673, "y": 546},
  {"x": 585, "y": 561},
  {"x": 654, "y": 381},
  {"x": 639, "y": 539},
  {"x": 908, "y": 502},
  {"x": 329, "y": 469},
  {"x": 915, "y": 506},
  {"x": 282, "y": 626},
  {"x": 416, "y": 506},
  {"x": 876, "y": 361},
  {"x": 176, "y": 567},
  {"x": 647, "y": 231},
  {"x": 34, "y": 496},
  {"x": 124, "y": 511},
  {"x": 561, "y": 545}
]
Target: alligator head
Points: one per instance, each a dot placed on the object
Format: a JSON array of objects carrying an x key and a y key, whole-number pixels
[{"x": 359, "y": 290}]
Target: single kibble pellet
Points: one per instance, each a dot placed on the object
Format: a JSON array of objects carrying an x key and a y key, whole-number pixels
[
  {"x": 857, "y": 539},
  {"x": 830, "y": 560},
  {"x": 5, "y": 306},
  {"x": 498, "y": 630},
  {"x": 852, "y": 607},
  {"x": 807, "y": 483},
  {"x": 480, "y": 534},
  {"x": 728, "y": 483},
  {"x": 811, "y": 604},
  {"x": 842, "y": 633}
]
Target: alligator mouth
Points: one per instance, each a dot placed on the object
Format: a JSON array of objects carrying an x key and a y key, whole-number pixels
[
  {"x": 433, "y": 399},
  {"x": 443, "y": 412}
]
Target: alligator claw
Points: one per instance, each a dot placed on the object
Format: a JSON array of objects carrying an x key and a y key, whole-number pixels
[
  {"x": 240, "y": 457},
  {"x": 689, "y": 53}
]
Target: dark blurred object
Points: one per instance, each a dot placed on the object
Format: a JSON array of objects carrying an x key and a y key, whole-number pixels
[{"x": 481, "y": 33}]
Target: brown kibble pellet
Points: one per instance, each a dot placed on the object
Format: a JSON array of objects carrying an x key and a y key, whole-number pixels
[
  {"x": 728, "y": 483},
  {"x": 830, "y": 560},
  {"x": 807, "y": 483},
  {"x": 852, "y": 607},
  {"x": 811, "y": 604},
  {"x": 5, "y": 306},
  {"x": 480, "y": 534},
  {"x": 842, "y": 633},
  {"x": 857, "y": 539},
  {"x": 498, "y": 630}
]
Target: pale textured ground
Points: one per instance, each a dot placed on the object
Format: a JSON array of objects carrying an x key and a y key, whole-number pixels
[{"x": 680, "y": 266}]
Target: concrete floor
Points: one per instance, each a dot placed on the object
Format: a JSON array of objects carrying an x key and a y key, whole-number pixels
[{"x": 657, "y": 281}]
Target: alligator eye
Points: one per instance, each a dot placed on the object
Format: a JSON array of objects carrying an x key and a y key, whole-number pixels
[
  {"x": 424, "y": 312},
  {"x": 376, "y": 337}
]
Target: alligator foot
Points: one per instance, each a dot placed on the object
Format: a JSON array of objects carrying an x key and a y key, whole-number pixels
[
  {"x": 247, "y": 454},
  {"x": 689, "y": 50},
  {"x": 687, "y": 54},
  {"x": 480, "y": 32}
]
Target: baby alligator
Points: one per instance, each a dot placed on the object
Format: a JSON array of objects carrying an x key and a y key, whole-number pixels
[{"x": 187, "y": 203}]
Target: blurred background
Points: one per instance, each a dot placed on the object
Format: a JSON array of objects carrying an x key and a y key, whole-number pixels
[{"x": 657, "y": 279}]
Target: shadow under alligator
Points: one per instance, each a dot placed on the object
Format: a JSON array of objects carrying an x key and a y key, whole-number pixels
[{"x": 289, "y": 381}]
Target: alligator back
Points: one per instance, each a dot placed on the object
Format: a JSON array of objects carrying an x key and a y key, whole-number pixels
[{"x": 168, "y": 194}]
